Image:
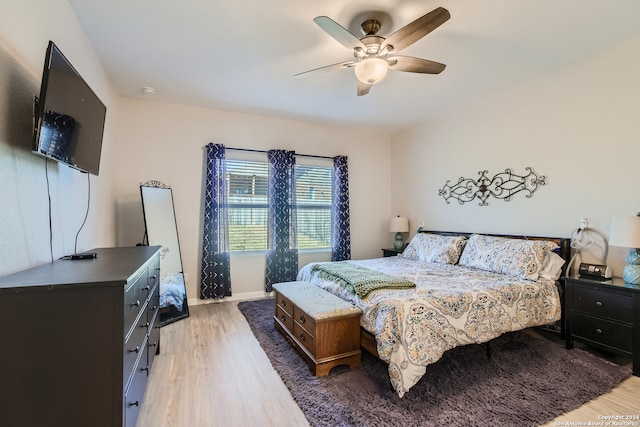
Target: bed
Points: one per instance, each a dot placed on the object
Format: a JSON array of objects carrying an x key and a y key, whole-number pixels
[{"x": 446, "y": 290}]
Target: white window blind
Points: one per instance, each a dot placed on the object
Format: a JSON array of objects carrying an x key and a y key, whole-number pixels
[
  {"x": 313, "y": 200},
  {"x": 247, "y": 198},
  {"x": 248, "y": 203}
]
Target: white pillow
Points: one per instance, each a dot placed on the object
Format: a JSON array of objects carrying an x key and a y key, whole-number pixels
[{"x": 552, "y": 266}]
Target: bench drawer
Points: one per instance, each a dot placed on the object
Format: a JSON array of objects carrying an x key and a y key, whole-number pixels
[
  {"x": 284, "y": 317},
  {"x": 307, "y": 322},
  {"x": 307, "y": 340},
  {"x": 284, "y": 303}
]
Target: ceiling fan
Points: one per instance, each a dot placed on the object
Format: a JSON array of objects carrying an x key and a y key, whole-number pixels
[{"x": 374, "y": 55}]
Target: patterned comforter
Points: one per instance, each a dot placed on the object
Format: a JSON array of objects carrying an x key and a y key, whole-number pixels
[{"x": 450, "y": 306}]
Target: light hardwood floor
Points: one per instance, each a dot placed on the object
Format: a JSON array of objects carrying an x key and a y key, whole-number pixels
[{"x": 212, "y": 372}]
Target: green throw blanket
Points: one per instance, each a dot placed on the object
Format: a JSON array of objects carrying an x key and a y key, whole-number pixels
[{"x": 359, "y": 280}]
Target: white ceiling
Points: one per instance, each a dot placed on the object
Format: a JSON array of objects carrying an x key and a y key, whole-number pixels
[{"x": 241, "y": 55}]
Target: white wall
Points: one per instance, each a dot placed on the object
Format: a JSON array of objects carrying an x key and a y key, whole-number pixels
[
  {"x": 578, "y": 126},
  {"x": 165, "y": 142},
  {"x": 25, "y": 29}
]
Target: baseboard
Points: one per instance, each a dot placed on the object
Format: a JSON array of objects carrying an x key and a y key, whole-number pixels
[{"x": 243, "y": 296}]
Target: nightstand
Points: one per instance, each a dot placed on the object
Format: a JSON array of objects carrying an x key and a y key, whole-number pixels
[
  {"x": 604, "y": 314},
  {"x": 391, "y": 252}
]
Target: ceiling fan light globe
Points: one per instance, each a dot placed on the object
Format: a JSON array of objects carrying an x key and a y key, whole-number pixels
[{"x": 371, "y": 70}]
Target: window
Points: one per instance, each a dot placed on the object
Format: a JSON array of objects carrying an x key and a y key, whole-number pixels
[
  {"x": 248, "y": 203},
  {"x": 248, "y": 189},
  {"x": 314, "y": 203}
]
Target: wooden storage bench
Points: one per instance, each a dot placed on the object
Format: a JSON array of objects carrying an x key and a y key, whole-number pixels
[{"x": 322, "y": 327}]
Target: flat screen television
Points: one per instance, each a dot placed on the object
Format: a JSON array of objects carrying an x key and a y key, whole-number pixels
[{"x": 69, "y": 116}]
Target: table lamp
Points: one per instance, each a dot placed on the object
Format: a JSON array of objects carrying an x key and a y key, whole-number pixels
[
  {"x": 625, "y": 232},
  {"x": 399, "y": 225}
]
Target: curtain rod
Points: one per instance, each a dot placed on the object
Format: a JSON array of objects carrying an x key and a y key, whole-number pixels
[{"x": 265, "y": 151}]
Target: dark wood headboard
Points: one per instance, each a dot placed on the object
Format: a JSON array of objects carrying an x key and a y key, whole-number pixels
[{"x": 564, "y": 243}]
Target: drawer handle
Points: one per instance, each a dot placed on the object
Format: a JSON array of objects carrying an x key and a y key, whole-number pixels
[
  {"x": 146, "y": 368},
  {"x": 136, "y": 304},
  {"x": 302, "y": 319},
  {"x": 599, "y": 303},
  {"x": 283, "y": 303},
  {"x": 284, "y": 318},
  {"x": 302, "y": 337},
  {"x": 134, "y": 350},
  {"x": 136, "y": 403},
  {"x": 153, "y": 344},
  {"x": 598, "y": 331},
  {"x": 146, "y": 325}
]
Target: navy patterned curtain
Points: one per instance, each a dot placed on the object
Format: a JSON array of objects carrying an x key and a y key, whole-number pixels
[
  {"x": 215, "y": 279},
  {"x": 282, "y": 255},
  {"x": 341, "y": 236}
]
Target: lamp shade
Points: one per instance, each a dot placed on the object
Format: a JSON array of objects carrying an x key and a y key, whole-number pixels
[
  {"x": 399, "y": 224},
  {"x": 625, "y": 231},
  {"x": 371, "y": 70}
]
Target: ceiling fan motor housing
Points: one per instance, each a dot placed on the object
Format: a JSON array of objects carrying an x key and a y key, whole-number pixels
[{"x": 372, "y": 44}]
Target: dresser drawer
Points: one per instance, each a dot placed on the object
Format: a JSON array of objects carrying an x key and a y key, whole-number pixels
[
  {"x": 307, "y": 340},
  {"x": 154, "y": 303},
  {"x": 154, "y": 273},
  {"x": 136, "y": 293},
  {"x": 135, "y": 391},
  {"x": 133, "y": 346},
  {"x": 603, "y": 304},
  {"x": 306, "y": 321},
  {"x": 153, "y": 342},
  {"x": 603, "y": 331}
]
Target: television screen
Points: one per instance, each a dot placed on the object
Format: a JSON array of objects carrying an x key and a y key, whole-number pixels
[{"x": 69, "y": 120}]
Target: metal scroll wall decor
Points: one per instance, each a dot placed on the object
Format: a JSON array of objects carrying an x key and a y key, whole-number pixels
[{"x": 503, "y": 185}]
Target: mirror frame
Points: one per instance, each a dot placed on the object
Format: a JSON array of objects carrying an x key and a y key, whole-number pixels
[{"x": 169, "y": 313}]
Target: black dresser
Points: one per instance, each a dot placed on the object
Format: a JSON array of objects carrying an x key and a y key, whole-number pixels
[
  {"x": 79, "y": 338},
  {"x": 604, "y": 314}
]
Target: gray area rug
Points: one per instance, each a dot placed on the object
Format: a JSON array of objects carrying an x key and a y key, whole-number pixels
[{"x": 526, "y": 382}]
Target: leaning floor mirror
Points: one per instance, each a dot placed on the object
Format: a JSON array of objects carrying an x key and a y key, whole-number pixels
[{"x": 161, "y": 230}]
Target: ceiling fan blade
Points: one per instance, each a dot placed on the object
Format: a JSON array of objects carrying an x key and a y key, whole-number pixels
[
  {"x": 417, "y": 29},
  {"x": 338, "y": 32},
  {"x": 363, "y": 88},
  {"x": 325, "y": 69},
  {"x": 415, "y": 65}
]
